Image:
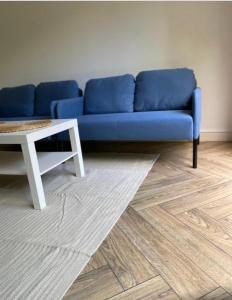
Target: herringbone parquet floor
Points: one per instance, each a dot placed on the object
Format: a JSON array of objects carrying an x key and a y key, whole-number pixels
[{"x": 175, "y": 239}]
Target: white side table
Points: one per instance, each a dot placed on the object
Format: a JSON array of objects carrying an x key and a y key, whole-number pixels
[{"x": 34, "y": 164}]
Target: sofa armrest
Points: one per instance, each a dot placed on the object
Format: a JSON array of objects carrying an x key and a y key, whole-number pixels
[
  {"x": 196, "y": 112},
  {"x": 67, "y": 108}
]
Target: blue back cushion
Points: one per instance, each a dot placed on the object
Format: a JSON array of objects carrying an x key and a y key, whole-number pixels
[
  {"x": 110, "y": 95},
  {"x": 164, "y": 89},
  {"x": 17, "y": 101},
  {"x": 46, "y": 92}
]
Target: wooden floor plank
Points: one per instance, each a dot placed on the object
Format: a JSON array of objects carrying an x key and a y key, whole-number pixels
[
  {"x": 215, "y": 147},
  {"x": 218, "y": 294},
  {"x": 208, "y": 227},
  {"x": 214, "y": 262},
  {"x": 151, "y": 186},
  {"x": 181, "y": 189},
  {"x": 96, "y": 285},
  {"x": 218, "y": 209},
  {"x": 152, "y": 289},
  {"x": 214, "y": 231},
  {"x": 126, "y": 260},
  {"x": 186, "y": 278},
  {"x": 166, "y": 169},
  {"x": 227, "y": 285},
  {"x": 184, "y": 165},
  {"x": 226, "y": 222},
  {"x": 207, "y": 195},
  {"x": 219, "y": 164},
  {"x": 96, "y": 261},
  {"x": 215, "y": 167}
]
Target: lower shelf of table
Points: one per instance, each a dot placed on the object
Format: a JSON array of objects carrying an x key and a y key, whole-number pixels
[{"x": 12, "y": 163}]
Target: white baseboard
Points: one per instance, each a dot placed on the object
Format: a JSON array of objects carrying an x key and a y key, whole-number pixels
[{"x": 214, "y": 136}]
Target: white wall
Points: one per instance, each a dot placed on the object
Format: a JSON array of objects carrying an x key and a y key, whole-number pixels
[{"x": 56, "y": 40}]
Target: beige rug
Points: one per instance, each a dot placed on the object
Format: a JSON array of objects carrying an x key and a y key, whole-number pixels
[{"x": 43, "y": 252}]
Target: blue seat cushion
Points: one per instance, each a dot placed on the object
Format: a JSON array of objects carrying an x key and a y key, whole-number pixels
[
  {"x": 140, "y": 126},
  {"x": 109, "y": 95},
  {"x": 46, "y": 92},
  {"x": 164, "y": 89},
  {"x": 17, "y": 101}
]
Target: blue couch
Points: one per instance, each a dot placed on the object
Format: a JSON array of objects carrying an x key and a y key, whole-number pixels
[
  {"x": 160, "y": 105},
  {"x": 28, "y": 102}
]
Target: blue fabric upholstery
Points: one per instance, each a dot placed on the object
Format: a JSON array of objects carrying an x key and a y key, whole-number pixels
[
  {"x": 67, "y": 108},
  {"x": 164, "y": 89},
  {"x": 17, "y": 101},
  {"x": 110, "y": 95},
  {"x": 196, "y": 112},
  {"x": 140, "y": 126},
  {"x": 46, "y": 92},
  {"x": 172, "y": 102}
]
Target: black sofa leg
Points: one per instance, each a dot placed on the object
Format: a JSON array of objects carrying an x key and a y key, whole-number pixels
[{"x": 195, "y": 144}]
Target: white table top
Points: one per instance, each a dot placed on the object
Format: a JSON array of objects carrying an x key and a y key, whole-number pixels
[{"x": 20, "y": 137}]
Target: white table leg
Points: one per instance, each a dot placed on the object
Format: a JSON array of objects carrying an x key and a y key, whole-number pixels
[
  {"x": 33, "y": 174},
  {"x": 76, "y": 147}
]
